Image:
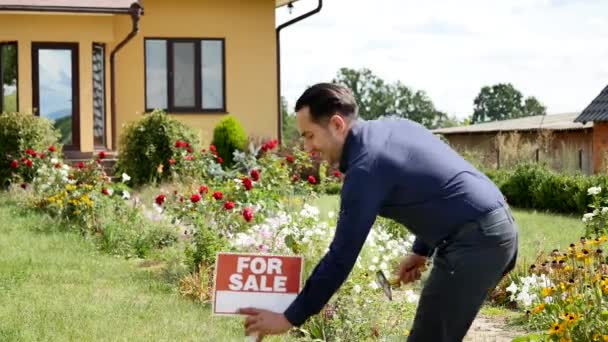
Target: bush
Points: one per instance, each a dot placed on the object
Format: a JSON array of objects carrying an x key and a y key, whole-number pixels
[
  {"x": 18, "y": 132},
  {"x": 146, "y": 146},
  {"x": 536, "y": 187},
  {"x": 229, "y": 136}
]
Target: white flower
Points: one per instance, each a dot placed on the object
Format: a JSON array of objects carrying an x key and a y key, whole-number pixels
[
  {"x": 386, "y": 258},
  {"x": 125, "y": 177},
  {"x": 549, "y": 300},
  {"x": 372, "y": 268},
  {"x": 594, "y": 190},
  {"x": 306, "y": 239},
  {"x": 604, "y": 210},
  {"x": 357, "y": 288},
  {"x": 54, "y": 161},
  {"x": 375, "y": 260},
  {"x": 588, "y": 217},
  {"x": 331, "y": 214},
  {"x": 65, "y": 167},
  {"x": 373, "y": 285},
  {"x": 512, "y": 288},
  {"x": 411, "y": 297},
  {"x": 395, "y": 252},
  {"x": 126, "y": 195},
  {"x": 411, "y": 238},
  {"x": 384, "y": 266}
]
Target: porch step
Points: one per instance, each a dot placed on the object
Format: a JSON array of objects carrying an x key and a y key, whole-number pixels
[{"x": 108, "y": 163}]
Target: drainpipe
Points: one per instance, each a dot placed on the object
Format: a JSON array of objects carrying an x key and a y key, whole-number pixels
[
  {"x": 278, "y": 31},
  {"x": 135, "y": 11}
]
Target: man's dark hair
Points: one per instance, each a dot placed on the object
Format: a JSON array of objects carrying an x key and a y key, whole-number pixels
[{"x": 325, "y": 99}]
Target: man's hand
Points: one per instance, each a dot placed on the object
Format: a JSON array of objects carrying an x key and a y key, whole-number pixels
[
  {"x": 264, "y": 322},
  {"x": 411, "y": 268}
]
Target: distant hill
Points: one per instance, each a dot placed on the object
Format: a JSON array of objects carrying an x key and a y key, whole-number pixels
[
  {"x": 64, "y": 125},
  {"x": 58, "y": 114}
]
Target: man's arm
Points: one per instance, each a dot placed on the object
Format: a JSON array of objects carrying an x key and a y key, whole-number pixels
[
  {"x": 362, "y": 196},
  {"x": 421, "y": 248}
]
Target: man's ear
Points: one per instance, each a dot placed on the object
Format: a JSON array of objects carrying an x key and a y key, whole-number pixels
[{"x": 338, "y": 123}]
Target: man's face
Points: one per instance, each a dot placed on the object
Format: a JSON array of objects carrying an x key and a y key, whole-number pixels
[{"x": 326, "y": 139}]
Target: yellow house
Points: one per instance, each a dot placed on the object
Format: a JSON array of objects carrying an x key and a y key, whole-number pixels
[{"x": 92, "y": 66}]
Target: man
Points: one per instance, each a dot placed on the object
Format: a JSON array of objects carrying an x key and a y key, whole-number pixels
[{"x": 398, "y": 169}]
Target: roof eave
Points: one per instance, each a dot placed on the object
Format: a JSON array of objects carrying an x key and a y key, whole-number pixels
[{"x": 66, "y": 9}]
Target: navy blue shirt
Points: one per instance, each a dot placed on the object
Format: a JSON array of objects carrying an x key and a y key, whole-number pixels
[{"x": 398, "y": 169}]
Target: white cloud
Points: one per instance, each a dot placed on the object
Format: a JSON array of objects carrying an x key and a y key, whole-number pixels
[{"x": 553, "y": 49}]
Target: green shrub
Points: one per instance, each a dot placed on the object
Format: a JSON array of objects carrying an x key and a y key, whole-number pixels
[
  {"x": 18, "y": 132},
  {"x": 535, "y": 186},
  {"x": 229, "y": 136},
  {"x": 150, "y": 142}
]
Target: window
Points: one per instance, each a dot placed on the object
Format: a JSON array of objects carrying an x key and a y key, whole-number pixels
[
  {"x": 185, "y": 75},
  {"x": 8, "y": 77}
]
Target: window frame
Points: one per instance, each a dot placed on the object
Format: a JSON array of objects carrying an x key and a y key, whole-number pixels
[
  {"x": 16, "y": 45},
  {"x": 198, "y": 79}
]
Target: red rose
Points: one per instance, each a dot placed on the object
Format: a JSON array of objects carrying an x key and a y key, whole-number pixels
[
  {"x": 212, "y": 148},
  {"x": 181, "y": 199},
  {"x": 337, "y": 174},
  {"x": 203, "y": 150},
  {"x": 296, "y": 177},
  {"x": 102, "y": 155},
  {"x": 189, "y": 150},
  {"x": 23, "y": 186},
  {"x": 195, "y": 198},
  {"x": 28, "y": 163},
  {"x": 203, "y": 189},
  {"x": 160, "y": 199},
  {"x": 41, "y": 155},
  {"x": 229, "y": 205},
  {"x": 255, "y": 175},
  {"x": 189, "y": 157},
  {"x": 171, "y": 161},
  {"x": 218, "y": 195},
  {"x": 105, "y": 191},
  {"x": 58, "y": 166},
  {"x": 30, "y": 152},
  {"x": 312, "y": 180},
  {"x": 247, "y": 183},
  {"x": 220, "y": 160},
  {"x": 290, "y": 159},
  {"x": 248, "y": 214},
  {"x": 79, "y": 165},
  {"x": 52, "y": 148},
  {"x": 14, "y": 164}
]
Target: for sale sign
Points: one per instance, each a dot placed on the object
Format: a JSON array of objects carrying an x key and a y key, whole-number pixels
[{"x": 268, "y": 282}]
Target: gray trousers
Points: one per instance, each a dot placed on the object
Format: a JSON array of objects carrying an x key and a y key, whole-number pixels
[{"x": 465, "y": 268}]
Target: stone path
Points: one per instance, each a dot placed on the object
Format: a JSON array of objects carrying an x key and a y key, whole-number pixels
[{"x": 492, "y": 329}]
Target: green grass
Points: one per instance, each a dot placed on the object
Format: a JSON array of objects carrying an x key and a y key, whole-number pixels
[
  {"x": 55, "y": 286},
  {"x": 538, "y": 230},
  {"x": 10, "y": 103}
]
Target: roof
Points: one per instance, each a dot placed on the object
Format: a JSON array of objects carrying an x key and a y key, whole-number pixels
[
  {"x": 84, "y": 6},
  {"x": 556, "y": 122},
  {"x": 597, "y": 110},
  {"x": 283, "y": 2}
]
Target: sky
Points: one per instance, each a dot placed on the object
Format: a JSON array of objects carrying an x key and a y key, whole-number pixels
[{"x": 555, "y": 50}]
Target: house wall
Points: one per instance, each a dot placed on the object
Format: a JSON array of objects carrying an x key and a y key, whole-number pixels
[
  {"x": 248, "y": 28},
  {"x": 600, "y": 146},
  {"x": 562, "y": 153},
  {"x": 82, "y": 29}
]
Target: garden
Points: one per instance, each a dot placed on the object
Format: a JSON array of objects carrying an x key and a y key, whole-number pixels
[{"x": 171, "y": 204}]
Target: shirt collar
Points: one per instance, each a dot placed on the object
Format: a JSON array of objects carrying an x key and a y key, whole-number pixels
[{"x": 350, "y": 145}]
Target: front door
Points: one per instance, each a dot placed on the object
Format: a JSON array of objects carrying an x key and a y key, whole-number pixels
[{"x": 55, "y": 94}]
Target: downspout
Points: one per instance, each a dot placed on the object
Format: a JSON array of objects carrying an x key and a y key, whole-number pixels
[
  {"x": 135, "y": 11},
  {"x": 278, "y": 36}
]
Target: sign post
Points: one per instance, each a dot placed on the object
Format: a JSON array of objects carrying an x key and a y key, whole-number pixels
[{"x": 269, "y": 282}]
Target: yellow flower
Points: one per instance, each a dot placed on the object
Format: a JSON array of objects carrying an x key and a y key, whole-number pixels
[
  {"x": 547, "y": 291},
  {"x": 538, "y": 309},
  {"x": 556, "y": 328},
  {"x": 603, "y": 238},
  {"x": 563, "y": 339},
  {"x": 571, "y": 318},
  {"x": 70, "y": 187}
]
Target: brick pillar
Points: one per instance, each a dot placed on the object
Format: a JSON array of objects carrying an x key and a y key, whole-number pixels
[{"x": 600, "y": 146}]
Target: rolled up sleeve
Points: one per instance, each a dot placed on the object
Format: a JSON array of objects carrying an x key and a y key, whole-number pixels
[{"x": 362, "y": 195}]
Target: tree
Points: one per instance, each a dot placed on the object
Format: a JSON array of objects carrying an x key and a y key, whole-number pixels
[
  {"x": 377, "y": 98},
  {"x": 8, "y": 64},
  {"x": 288, "y": 124},
  {"x": 502, "y": 101}
]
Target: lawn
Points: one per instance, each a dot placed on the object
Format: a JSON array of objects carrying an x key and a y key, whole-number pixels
[
  {"x": 54, "y": 286},
  {"x": 538, "y": 230}
]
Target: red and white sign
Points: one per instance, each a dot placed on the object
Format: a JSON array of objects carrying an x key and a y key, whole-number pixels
[{"x": 268, "y": 282}]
